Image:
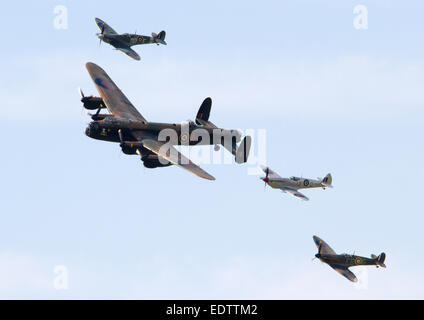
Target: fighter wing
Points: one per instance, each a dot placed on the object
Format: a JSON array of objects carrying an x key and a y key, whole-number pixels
[
  {"x": 172, "y": 155},
  {"x": 272, "y": 174},
  {"x": 295, "y": 193},
  {"x": 344, "y": 271},
  {"x": 107, "y": 29},
  {"x": 130, "y": 53},
  {"x": 325, "y": 248},
  {"x": 116, "y": 102}
]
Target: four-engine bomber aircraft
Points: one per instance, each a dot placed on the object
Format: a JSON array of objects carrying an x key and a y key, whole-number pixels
[
  {"x": 342, "y": 262},
  {"x": 293, "y": 184},
  {"x": 136, "y": 135},
  {"x": 125, "y": 41}
]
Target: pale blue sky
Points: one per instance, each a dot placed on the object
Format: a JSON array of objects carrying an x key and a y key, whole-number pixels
[{"x": 331, "y": 98}]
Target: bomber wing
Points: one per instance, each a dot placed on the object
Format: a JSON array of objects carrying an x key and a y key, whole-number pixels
[
  {"x": 104, "y": 26},
  {"x": 344, "y": 271},
  {"x": 294, "y": 193},
  {"x": 325, "y": 248},
  {"x": 130, "y": 53},
  {"x": 116, "y": 102},
  {"x": 172, "y": 155}
]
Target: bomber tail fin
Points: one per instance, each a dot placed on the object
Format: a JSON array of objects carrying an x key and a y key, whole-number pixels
[
  {"x": 380, "y": 259},
  {"x": 327, "y": 181},
  {"x": 204, "y": 112},
  {"x": 243, "y": 150}
]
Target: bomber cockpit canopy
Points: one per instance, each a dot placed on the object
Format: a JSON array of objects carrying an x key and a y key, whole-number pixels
[{"x": 294, "y": 178}]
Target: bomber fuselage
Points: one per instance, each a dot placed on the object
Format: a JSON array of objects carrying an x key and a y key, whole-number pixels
[{"x": 178, "y": 134}]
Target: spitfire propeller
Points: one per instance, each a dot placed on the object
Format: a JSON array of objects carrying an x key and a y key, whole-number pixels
[
  {"x": 266, "y": 178},
  {"x": 318, "y": 255},
  {"x": 101, "y": 33}
]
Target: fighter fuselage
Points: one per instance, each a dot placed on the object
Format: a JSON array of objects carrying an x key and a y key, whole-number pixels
[
  {"x": 345, "y": 260},
  {"x": 294, "y": 182},
  {"x": 125, "y": 40}
]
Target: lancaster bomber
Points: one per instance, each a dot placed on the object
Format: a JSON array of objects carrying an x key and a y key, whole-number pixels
[
  {"x": 125, "y": 41},
  {"x": 152, "y": 141},
  {"x": 342, "y": 262},
  {"x": 293, "y": 184}
]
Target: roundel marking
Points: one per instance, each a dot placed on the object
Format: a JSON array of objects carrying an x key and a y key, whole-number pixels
[
  {"x": 306, "y": 182},
  {"x": 358, "y": 260},
  {"x": 100, "y": 83},
  {"x": 184, "y": 137}
]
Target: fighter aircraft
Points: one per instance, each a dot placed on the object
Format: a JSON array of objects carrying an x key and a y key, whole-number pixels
[
  {"x": 125, "y": 41},
  {"x": 154, "y": 141},
  {"x": 342, "y": 262},
  {"x": 293, "y": 184}
]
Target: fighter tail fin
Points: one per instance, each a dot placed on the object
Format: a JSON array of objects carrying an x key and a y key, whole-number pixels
[
  {"x": 162, "y": 35},
  {"x": 327, "y": 181},
  {"x": 160, "y": 38},
  {"x": 380, "y": 259}
]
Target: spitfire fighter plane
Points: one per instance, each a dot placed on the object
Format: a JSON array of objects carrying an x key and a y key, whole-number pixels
[
  {"x": 342, "y": 262},
  {"x": 125, "y": 41},
  {"x": 153, "y": 141},
  {"x": 293, "y": 184}
]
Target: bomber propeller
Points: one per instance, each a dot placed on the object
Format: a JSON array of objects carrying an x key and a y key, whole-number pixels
[
  {"x": 83, "y": 98},
  {"x": 91, "y": 103}
]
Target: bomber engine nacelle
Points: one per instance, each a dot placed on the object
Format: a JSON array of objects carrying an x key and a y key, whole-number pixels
[
  {"x": 91, "y": 102},
  {"x": 128, "y": 149},
  {"x": 152, "y": 161}
]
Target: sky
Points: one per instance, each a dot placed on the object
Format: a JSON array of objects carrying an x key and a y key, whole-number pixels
[{"x": 81, "y": 220}]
